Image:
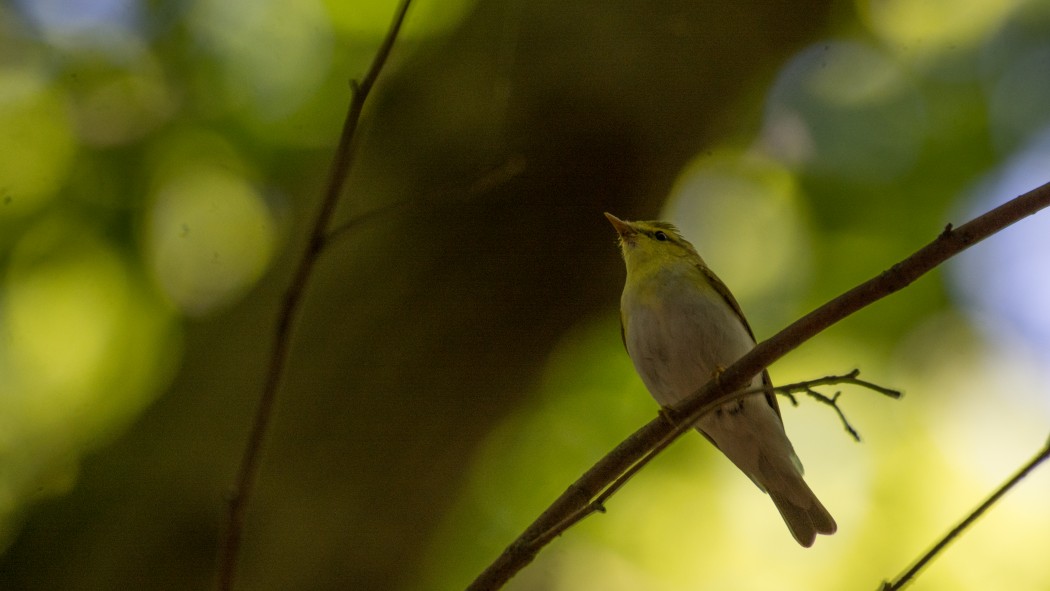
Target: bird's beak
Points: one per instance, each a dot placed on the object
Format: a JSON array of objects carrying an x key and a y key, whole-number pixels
[{"x": 622, "y": 228}]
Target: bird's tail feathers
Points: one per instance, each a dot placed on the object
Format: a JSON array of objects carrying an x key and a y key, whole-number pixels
[{"x": 802, "y": 511}]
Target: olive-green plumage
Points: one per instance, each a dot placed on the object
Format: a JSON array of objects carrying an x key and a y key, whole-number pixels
[{"x": 681, "y": 325}]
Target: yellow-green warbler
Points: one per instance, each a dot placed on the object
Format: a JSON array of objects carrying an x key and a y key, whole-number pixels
[{"x": 681, "y": 326}]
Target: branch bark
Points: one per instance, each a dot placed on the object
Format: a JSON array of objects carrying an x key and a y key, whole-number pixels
[
  {"x": 657, "y": 432},
  {"x": 342, "y": 161}
]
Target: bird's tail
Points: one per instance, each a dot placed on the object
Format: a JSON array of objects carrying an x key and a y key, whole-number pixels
[{"x": 802, "y": 511}]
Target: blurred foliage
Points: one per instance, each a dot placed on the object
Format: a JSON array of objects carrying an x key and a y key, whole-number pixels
[{"x": 458, "y": 360}]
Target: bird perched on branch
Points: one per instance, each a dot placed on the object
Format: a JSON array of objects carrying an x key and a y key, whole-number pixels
[{"x": 681, "y": 327}]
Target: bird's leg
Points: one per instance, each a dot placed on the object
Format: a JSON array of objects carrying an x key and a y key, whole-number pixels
[{"x": 716, "y": 375}]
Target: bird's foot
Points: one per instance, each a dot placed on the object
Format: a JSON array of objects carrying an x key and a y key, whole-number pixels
[{"x": 716, "y": 375}]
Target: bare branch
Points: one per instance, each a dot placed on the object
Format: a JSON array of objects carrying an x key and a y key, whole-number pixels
[
  {"x": 807, "y": 387},
  {"x": 850, "y": 379},
  {"x": 682, "y": 424},
  {"x": 341, "y": 163},
  {"x": 948, "y": 243},
  {"x": 937, "y": 548}
]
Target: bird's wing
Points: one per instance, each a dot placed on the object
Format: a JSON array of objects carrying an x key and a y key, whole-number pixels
[{"x": 728, "y": 297}]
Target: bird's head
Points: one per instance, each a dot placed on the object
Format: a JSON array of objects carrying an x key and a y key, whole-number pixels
[{"x": 652, "y": 244}]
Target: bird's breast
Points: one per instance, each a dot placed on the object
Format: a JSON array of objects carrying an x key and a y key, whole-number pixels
[{"x": 679, "y": 335}]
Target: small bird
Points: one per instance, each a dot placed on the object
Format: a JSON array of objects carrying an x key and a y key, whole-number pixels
[{"x": 681, "y": 327}]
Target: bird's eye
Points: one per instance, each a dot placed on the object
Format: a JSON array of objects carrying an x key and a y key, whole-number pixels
[{"x": 659, "y": 235}]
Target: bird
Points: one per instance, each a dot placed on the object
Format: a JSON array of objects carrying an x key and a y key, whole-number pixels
[{"x": 681, "y": 327}]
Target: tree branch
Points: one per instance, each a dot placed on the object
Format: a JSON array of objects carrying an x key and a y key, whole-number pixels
[
  {"x": 341, "y": 163},
  {"x": 682, "y": 424},
  {"x": 949, "y": 243},
  {"x": 932, "y": 553}
]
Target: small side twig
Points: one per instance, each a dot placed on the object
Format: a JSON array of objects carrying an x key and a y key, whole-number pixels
[
  {"x": 849, "y": 378},
  {"x": 833, "y": 402},
  {"x": 956, "y": 531},
  {"x": 513, "y": 166}
]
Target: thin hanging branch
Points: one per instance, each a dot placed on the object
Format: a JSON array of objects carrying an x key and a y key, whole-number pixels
[
  {"x": 937, "y": 548},
  {"x": 600, "y": 476},
  {"x": 288, "y": 313}
]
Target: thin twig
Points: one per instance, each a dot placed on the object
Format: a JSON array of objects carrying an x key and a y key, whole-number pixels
[
  {"x": 947, "y": 244},
  {"x": 341, "y": 162},
  {"x": 932, "y": 553},
  {"x": 807, "y": 387},
  {"x": 833, "y": 402},
  {"x": 488, "y": 180},
  {"x": 849, "y": 378}
]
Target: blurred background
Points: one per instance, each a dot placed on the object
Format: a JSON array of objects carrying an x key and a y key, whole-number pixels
[{"x": 458, "y": 361}]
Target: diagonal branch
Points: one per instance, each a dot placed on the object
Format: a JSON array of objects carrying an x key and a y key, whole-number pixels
[
  {"x": 683, "y": 424},
  {"x": 596, "y": 479},
  {"x": 932, "y": 553},
  {"x": 341, "y": 163}
]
